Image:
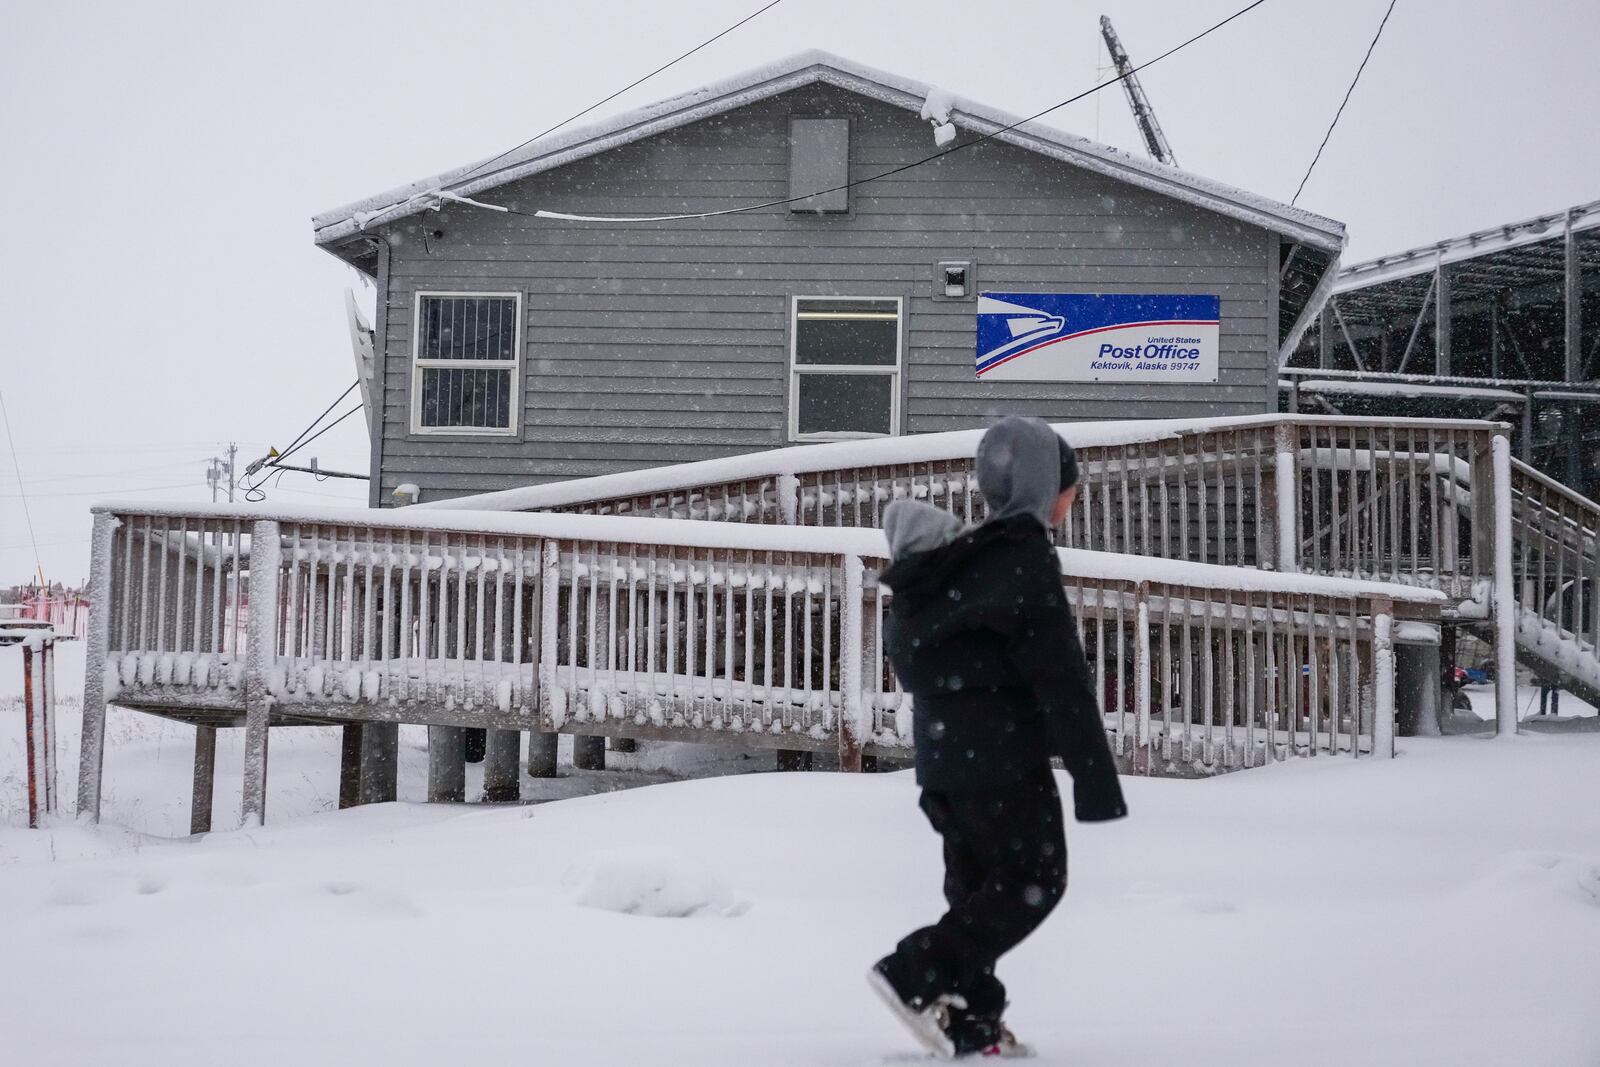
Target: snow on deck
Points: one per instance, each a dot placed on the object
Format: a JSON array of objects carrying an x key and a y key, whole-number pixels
[{"x": 1443, "y": 907}]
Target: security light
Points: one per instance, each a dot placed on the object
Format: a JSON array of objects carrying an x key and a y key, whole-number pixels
[{"x": 954, "y": 280}]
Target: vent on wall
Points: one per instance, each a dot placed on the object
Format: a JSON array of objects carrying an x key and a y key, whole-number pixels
[{"x": 819, "y": 159}]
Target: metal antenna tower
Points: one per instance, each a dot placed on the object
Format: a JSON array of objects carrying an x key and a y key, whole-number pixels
[{"x": 1154, "y": 140}]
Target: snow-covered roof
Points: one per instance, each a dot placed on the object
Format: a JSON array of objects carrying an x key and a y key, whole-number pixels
[
  {"x": 1481, "y": 243},
  {"x": 1403, "y": 389},
  {"x": 817, "y": 67}
]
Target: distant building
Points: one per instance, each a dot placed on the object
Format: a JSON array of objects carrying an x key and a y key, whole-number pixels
[{"x": 513, "y": 349}]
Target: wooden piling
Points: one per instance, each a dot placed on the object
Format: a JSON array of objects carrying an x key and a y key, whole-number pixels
[
  {"x": 502, "y": 777},
  {"x": 205, "y": 776},
  {"x": 447, "y": 764},
  {"x": 589, "y": 753},
  {"x": 350, "y": 766},
  {"x": 542, "y": 754},
  {"x": 380, "y": 762}
]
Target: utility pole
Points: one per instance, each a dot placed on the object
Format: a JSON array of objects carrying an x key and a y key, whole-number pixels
[
  {"x": 220, "y": 467},
  {"x": 1145, "y": 115}
]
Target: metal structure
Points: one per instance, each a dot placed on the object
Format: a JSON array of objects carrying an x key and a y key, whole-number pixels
[
  {"x": 1155, "y": 141},
  {"x": 1241, "y": 587},
  {"x": 1470, "y": 318}
]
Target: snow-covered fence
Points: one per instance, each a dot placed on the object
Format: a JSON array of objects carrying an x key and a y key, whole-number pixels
[
  {"x": 177, "y": 601},
  {"x": 768, "y": 636},
  {"x": 65, "y": 610}
]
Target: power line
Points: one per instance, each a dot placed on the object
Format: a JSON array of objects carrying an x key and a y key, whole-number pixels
[
  {"x": 124, "y": 447},
  {"x": 478, "y": 167},
  {"x": 254, "y": 492},
  {"x": 22, "y": 490},
  {"x": 296, "y": 442},
  {"x": 1343, "y": 102},
  {"x": 292, "y": 449},
  {"x": 47, "y": 544},
  {"x": 105, "y": 492},
  {"x": 53, "y": 479},
  {"x": 563, "y": 216}
]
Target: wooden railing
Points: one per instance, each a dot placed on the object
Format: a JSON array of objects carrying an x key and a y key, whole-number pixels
[
  {"x": 1388, "y": 500},
  {"x": 767, "y": 636}
]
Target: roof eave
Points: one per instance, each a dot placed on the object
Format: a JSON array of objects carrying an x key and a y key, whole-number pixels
[{"x": 816, "y": 67}]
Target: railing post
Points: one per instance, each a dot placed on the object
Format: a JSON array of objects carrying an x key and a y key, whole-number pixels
[
  {"x": 852, "y": 713},
  {"x": 266, "y": 558},
  {"x": 1286, "y": 479},
  {"x": 542, "y": 743},
  {"x": 1505, "y": 604},
  {"x": 1141, "y": 679},
  {"x": 1382, "y": 678},
  {"x": 91, "y": 754}
]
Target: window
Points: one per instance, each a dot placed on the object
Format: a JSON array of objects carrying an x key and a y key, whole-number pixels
[
  {"x": 467, "y": 349},
  {"x": 845, "y": 367}
]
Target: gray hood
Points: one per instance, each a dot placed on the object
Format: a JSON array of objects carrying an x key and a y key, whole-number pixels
[
  {"x": 912, "y": 527},
  {"x": 1019, "y": 468}
]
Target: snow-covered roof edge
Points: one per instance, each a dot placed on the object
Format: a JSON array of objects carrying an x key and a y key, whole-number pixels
[
  {"x": 812, "y": 67},
  {"x": 1420, "y": 260}
]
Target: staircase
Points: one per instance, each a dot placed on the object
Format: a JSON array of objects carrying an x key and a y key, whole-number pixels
[{"x": 1555, "y": 547}]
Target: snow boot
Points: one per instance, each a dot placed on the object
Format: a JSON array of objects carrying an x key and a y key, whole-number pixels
[
  {"x": 924, "y": 1018},
  {"x": 972, "y": 1037}
]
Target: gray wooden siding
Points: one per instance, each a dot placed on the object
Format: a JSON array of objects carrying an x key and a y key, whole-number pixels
[{"x": 668, "y": 342}]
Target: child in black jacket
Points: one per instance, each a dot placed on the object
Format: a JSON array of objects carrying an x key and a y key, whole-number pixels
[{"x": 981, "y": 636}]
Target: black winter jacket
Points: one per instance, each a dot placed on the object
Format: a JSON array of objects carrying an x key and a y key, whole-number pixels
[{"x": 981, "y": 635}]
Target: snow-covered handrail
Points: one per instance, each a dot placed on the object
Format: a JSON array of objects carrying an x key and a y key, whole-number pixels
[
  {"x": 1386, "y": 500},
  {"x": 883, "y": 452},
  {"x": 340, "y": 525},
  {"x": 1555, "y": 550}
]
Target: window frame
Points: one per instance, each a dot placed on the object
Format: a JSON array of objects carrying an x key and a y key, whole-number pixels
[
  {"x": 894, "y": 372},
  {"x": 418, "y": 365}
]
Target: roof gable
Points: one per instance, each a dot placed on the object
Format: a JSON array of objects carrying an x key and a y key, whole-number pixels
[{"x": 812, "y": 68}]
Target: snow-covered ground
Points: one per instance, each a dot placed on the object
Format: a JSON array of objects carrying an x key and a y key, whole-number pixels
[{"x": 1440, "y": 908}]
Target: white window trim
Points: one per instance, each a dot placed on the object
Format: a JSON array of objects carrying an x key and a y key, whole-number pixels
[
  {"x": 419, "y": 365},
  {"x": 892, "y": 372}
]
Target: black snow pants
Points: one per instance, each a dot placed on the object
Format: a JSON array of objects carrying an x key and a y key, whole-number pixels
[{"x": 1005, "y": 869}]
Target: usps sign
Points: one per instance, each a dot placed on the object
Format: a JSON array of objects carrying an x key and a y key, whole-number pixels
[{"x": 1089, "y": 337}]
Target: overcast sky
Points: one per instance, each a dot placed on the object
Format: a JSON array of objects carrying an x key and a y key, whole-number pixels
[{"x": 162, "y": 295}]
